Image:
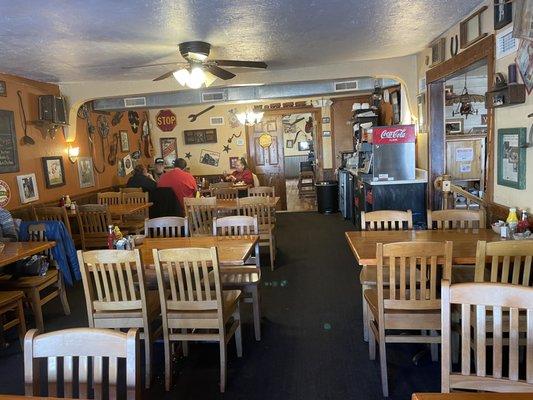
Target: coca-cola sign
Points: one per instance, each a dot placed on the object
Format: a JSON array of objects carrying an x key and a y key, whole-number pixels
[{"x": 393, "y": 134}]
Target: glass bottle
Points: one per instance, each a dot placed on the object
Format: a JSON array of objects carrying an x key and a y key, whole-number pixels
[
  {"x": 68, "y": 202},
  {"x": 512, "y": 221},
  {"x": 523, "y": 224},
  {"x": 110, "y": 237}
]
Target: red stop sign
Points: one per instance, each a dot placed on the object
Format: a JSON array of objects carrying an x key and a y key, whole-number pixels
[{"x": 166, "y": 120}]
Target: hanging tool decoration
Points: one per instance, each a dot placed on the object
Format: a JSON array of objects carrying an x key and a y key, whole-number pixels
[
  {"x": 133, "y": 117},
  {"x": 529, "y": 142},
  {"x": 117, "y": 118},
  {"x": 464, "y": 101},
  {"x": 193, "y": 117},
  {"x": 188, "y": 156},
  {"x": 83, "y": 112},
  {"x": 26, "y": 139},
  {"x": 147, "y": 137},
  {"x": 234, "y": 136},
  {"x": 226, "y": 148},
  {"x": 137, "y": 153},
  {"x": 103, "y": 126},
  {"x": 309, "y": 125},
  {"x": 113, "y": 148}
]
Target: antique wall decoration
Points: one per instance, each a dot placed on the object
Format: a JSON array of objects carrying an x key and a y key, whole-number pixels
[
  {"x": 234, "y": 136},
  {"x": 113, "y": 150},
  {"x": 124, "y": 142},
  {"x": 194, "y": 117},
  {"x": 523, "y": 19},
  {"x": 209, "y": 157},
  {"x": 512, "y": 157},
  {"x": 265, "y": 140},
  {"x": 26, "y": 139},
  {"x": 188, "y": 156},
  {"x": 454, "y": 126},
  {"x": 5, "y": 193},
  {"x": 454, "y": 45},
  {"x": 226, "y": 148},
  {"x": 86, "y": 172},
  {"x": 470, "y": 29},
  {"x": 438, "y": 51},
  {"x": 232, "y": 118},
  {"x": 464, "y": 102},
  {"x": 289, "y": 143},
  {"x": 169, "y": 150},
  {"x": 128, "y": 164},
  {"x": 166, "y": 120},
  {"x": 198, "y": 136},
  {"x": 3, "y": 89},
  {"x": 147, "y": 136},
  {"x": 117, "y": 118},
  {"x": 9, "y": 160},
  {"x": 54, "y": 172},
  {"x": 524, "y": 62},
  {"x": 133, "y": 118},
  {"x": 233, "y": 162},
  {"x": 271, "y": 126},
  {"x": 27, "y": 188},
  {"x": 503, "y": 13},
  {"x": 326, "y": 120}
]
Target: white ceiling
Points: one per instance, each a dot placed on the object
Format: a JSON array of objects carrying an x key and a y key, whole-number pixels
[{"x": 72, "y": 41}]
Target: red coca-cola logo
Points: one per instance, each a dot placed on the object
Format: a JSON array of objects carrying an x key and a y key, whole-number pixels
[{"x": 394, "y": 134}]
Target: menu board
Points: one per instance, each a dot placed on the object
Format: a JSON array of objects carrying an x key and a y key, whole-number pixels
[{"x": 9, "y": 160}]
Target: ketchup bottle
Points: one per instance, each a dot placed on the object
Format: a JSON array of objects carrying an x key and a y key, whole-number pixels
[{"x": 110, "y": 238}]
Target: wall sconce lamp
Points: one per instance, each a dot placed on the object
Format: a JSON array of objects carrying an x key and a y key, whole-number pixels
[{"x": 73, "y": 153}]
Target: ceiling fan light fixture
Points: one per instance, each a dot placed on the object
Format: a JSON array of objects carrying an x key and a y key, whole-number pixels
[
  {"x": 182, "y": 76},
  {"x": 196, "y": 78},
  {"x": 209, "y": 78},
  {"x": 249, "y": 117}
]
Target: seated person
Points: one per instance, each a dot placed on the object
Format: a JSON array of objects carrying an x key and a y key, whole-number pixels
[
  {"x": 180, "y": 181},
  {"x": 8, "y": 232},
  {"x": 159, "y": 168},
  {"x": 141, "y": 179},
  {"x": 241, "y": 174}
]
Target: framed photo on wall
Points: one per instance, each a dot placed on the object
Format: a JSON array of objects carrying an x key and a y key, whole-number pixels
[
  {"x": 124, "y": 142},
  {"x": 512, "y": 157},
  {"x": 28, "y": 188},
  {"x": 86, "y": 172},
  {"x": 454, "y": 126},
  {"x": 470, "y": 29},
  {"x": 503, "y": 14},
  {"x": 54, "y": 172},
  {"x": 233, "y": 162},
  {"x": 169, "y": 150}
]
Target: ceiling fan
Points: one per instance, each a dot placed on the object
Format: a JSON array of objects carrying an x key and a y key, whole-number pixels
[{"x": 198, "y": 69}]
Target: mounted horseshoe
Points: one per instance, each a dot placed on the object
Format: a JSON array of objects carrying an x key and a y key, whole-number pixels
[{"x": 454, "y": 45}]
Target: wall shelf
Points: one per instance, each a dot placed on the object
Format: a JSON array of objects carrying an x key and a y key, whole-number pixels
[{"x": 509, "y": 95}]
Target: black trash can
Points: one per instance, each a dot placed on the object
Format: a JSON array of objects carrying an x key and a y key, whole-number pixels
[{"x": 327, "y": 196}]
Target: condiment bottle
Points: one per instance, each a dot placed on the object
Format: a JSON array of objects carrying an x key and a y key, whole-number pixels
[
  {"x": 62, "y": 201},
  {"x": 512, "y": 221},
  {"x": 110, "y": 237},
  {"x": 523, "y": 224},
  {"x": 68, "y": 202}
]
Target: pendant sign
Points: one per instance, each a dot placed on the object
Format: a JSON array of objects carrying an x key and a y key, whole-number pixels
[
  {"x": 393, "y": 134},
  {"x": 166, "y": 120},
  {"x": 265, "y": 140},
  {"x": 5, "y": 193}
]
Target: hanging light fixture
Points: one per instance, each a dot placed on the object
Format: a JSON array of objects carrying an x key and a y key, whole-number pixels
[
  {"x": 249, "y": 117},
  {"x": 194, "y": 77}
]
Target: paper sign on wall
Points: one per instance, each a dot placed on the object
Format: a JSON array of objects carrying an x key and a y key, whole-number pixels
[
  {"x": 463, "y": 154},
  {"x": 464, "y": 168}
]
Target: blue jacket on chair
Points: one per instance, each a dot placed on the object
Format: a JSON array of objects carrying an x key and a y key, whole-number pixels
[{"x": 63, "y": 252}]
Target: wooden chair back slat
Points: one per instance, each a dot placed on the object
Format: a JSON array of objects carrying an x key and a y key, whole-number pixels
[
  {"x": 456, "y": 219},
  {"x": 93, "y": 221},
  {"x": 84, "y": 346},
  {"x": 261, "y": 191},
  {"x": 509, "y": 262},
  {"x": 166, "y": 227},
  {"x": 502, "y": 317},
  {"x": 109, "y": 198},
  {"x": 385, "y": 220},
  {"x": 130, "y": 190},
  {"x": 256, "y": 207},
  {"x": 219, "y": 185},
  {"x": 53, "y": 214},
  {"x": 239, "y": 225},
  {"x": 136, "y": 198},
  {"x": 200, "y": 213},
  {"x": 225, "y": 193}
]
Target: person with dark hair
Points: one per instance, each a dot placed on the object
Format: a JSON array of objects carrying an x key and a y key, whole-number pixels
[
  {"x": 159, "y": 168},
  {"x": 242, "y": 173},
  {"x": 180, "y": 181},
  {"x": 8, "y": 233},
  {"x": 141, "y": 179}
]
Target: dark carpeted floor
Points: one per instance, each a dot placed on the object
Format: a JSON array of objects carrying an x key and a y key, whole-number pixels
[{"x": 311, "y": 347}]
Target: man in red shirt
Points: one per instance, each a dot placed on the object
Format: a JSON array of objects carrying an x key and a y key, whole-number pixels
[{"x": 181, "y": 182}]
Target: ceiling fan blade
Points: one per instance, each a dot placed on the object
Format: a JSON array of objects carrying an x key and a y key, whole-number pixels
[
  {"x": 164, "y": 76},
  {"x": 153, "y": 65},
  {"x": 237, "y": 63},
  {"x": 219, "y": 72}
]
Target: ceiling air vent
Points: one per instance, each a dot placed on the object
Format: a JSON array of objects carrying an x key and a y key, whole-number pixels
[
  {"x": 345, "y": 86},
  {"x": 135, "y": 102},
  {"x": 213, "y": 96}
]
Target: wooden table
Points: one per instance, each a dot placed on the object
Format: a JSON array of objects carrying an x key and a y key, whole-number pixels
[
  {"x": 15, "y": 251},
  {"x": 363, "y": 243},
  {"x": 471, "y": 396},
  {"x": 232, "y": 203},
  {"x": 231, "y": 251},
  {"x": 118, "y": 210}
]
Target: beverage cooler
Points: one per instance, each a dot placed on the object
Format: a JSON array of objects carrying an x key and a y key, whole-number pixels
[{"x": 393, "y": 153}]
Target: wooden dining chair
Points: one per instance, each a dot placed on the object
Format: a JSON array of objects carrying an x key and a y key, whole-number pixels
[
  {"x": 503, "y": 339},
  {"x": 166, "y": 227},
  {"x": 219, "y": 185},
  {"x": 39, "y": 290},
  {"x": 261, "y": 208},
  {"x": 53, "y": 214},
  {"x": 456, "y": 219},
  {"x": 263, "y": 191},
  {"x": 130, "y": 190},
  {"x": 246, "y": 278},
  {"x": 70, "y": 352},
  {"x": 411, "y": 302},
  {"x": 94, "y": 221},
  {"x": 134, "y": 222},
  {"x": 116, "y": 296},
  {"x": 111, "y": 198},
  {"x": 191, "y": 310},
  {"x": 12, "y": 314},
  {"x": 200, "y": 213},
  {"x": 225, "y": 193},
  {"x": 378, "y": 221}
]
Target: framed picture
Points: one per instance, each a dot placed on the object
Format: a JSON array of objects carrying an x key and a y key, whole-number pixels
[
  {"x": 169, "y": 150},
  {"x": 28, "y": 188},
  {"x": 396, "y": 112},
  {"x": 124, "y": 142},
  {"x": 422, "y": 112},
  {"x": 524, "y": 62},
  {"x": 512, "y": 157},
  {"x": 326, "y": 120},
  {"x": 448, "y": 91},
  {"x": 233, "y": 162},
  {"x": 290, "y": 144},
  {"x": 454, "y": 126},
  {"x": 503, "y": 14},
  {"x": 54, "y": 172},
  {"x": 271, "y": 126},
  {"x": 198, "y": 136},
  {"x": 470, "y": 29},
  {"x": 3, "y": 89},
  {"x": 85, "y": 172},
  {"x": 326, "y": 133},
  {"x": 484, "y": 119},
  {"x": 128, "y": 164},
  {"x": 209, "y": 157},
  {"x": 438, "y": 51}
]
